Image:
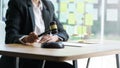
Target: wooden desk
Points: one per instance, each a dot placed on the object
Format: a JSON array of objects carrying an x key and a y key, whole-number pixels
[{"x": 68, "y": 53}]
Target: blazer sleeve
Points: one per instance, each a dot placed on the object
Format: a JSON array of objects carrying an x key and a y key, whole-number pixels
[
  {"x": 13, "y": 19},
  {"x": 61, "y": 31}
]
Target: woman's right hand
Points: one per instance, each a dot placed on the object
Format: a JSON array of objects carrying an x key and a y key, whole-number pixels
[{"x": 31, "y": 38}]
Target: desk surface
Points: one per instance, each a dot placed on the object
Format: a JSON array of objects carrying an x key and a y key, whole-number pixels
[{"x": 68, "y": 53}]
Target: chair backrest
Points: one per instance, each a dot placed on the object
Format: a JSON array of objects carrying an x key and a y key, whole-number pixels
[{"x": 2, "y": 32}]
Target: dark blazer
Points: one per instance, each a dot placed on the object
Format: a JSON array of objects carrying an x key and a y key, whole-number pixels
[{"x": 20, "y": 19}]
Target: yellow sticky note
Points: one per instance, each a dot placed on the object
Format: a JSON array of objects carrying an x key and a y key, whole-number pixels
[
  {"x": 89, "y": 19},
  {"x": 90, "y": 1},
  {"x": 71, "y": 0},
  {"x": 80, "y": 7},
  {"x": 71, "y": 18},
  {"x": 82, "y": 30},
  {"x": 63, "y": 7},
  {"x": 65, "y": 27}
]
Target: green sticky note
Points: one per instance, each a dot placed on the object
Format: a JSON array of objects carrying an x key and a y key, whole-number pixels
[
  {"x": 81, "y": 7},
  {"x": 82, "y": 30},
  {"x": 63, "y": 7},
  {"x": 71, "y": 18},
  {"x": 71, "y": 0},
  {"x": 65, "y": 27},
  {"x": 89, "y": 19}
]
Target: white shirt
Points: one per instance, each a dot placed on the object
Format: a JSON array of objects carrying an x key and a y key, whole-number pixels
[{"x": 39, "y": 23}]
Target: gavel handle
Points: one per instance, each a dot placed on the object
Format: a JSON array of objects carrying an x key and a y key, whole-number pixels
[{"x": 46, "y": 32}]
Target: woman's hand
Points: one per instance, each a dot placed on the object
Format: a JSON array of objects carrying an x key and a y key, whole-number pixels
[
  {"x": 31, "y": 38},
  {"x": 49, "y": 38}
]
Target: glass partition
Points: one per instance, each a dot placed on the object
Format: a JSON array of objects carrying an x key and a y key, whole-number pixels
[
  {"x": 3, "y": 7},
  {"x": 81, "y": 18},
  {"x": 0, "y": 10},
  {"x": 2, "y": 23}
]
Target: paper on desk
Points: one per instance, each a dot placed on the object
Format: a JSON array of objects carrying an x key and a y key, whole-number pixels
[
  {"x": 71, "y": 44},
  {"x": 36, "y": 44},
  {"x": 75, "y": 44}
]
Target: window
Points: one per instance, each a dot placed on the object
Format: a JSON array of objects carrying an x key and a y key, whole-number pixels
[
  {"x": 112, "y": 20},
  {"x": 112, "y": 1},
  {"x": 3, "y": 6},
  {"x": 0, "y": 10},
  {"x": 2, "y": 24}
]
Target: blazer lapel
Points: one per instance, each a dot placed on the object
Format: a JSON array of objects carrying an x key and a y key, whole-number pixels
[
  {"x": 31, "y": 13},
  {"x": 46, "y": 17}
]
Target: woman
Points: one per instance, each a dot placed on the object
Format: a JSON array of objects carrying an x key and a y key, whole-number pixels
[{"x": 25, "y": 20}]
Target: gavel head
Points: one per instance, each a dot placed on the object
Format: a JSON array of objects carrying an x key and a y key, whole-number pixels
[{"x": 53, "y": 27}]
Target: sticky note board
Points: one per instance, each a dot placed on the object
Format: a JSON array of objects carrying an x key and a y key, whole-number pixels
[
  {"x": 79, "y": 19},
  {"x": 65, "y": 26},
  {"x": 71, "y": 0},
  {"x": 70, "y": 29},
  {"x": 80, "y": 7},
  {"x": 90, "y": 1},
  {"x": 71, "y": 19},
  {"x": 71, "y": 7},
  {"x": 63, "y": 7},
  {"x": 82, "y": 30},
  {"x": 89, "y": 19},
  {"x": 89, "y": 8},
  {"x": 63, "y": 17}
]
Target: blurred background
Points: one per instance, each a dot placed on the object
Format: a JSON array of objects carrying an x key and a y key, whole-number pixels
[{"x": 84, "y": 20}]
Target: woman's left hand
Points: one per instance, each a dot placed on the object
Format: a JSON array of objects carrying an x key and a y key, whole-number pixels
[{"x": 49, "y": 38}]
